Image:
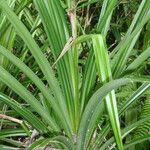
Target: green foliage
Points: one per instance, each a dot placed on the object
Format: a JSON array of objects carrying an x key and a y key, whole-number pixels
[{"x": 70, "y": 73}]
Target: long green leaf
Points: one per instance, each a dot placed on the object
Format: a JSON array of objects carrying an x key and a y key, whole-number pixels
[
  {"x": 12, "y": 133},
  {"x": 137, "y": 140},
  {"x": 105, "y": 16},
  {"x": 41, "y": 143},
  {"x": 134, "y": 96},
  {"x": 104, "y": 72},
  {"x": 139, "y": 60},
  {"x": 55, "y": 24}
]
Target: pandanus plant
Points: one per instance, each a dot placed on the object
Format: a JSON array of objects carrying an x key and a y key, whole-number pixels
[{"x": 70, "y": 102}]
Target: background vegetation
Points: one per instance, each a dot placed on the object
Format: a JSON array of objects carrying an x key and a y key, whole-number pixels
[{"x": 74, "y": 74}]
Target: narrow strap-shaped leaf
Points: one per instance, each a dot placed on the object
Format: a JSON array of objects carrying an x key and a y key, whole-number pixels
[
  {"x": 88, "y": 80},
  {"x": 55, "y": 24},
  {"x": 104, "y": 72},
  {"x": 39, "y": 144},
  {"x": 105, "y": 16},
  {"x": 12, "y": 142},
  {"x": 139, "y": 60},
  {"x": 137, "y": 140},
  {"x": 12, "y": 133},
  {"x": 89, "y": 74},
  {"x": 134, "y": 96},
  {"x": 65, "y": 141},
  {"x": 4, "y": 147},
  {"x": 141, "y": 78}
]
